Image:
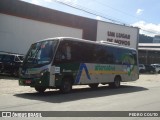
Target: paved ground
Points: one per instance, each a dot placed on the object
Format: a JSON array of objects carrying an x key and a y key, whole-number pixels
[
  {"x": 9, "y": 85},
  {"x": 141, "y": 95}
]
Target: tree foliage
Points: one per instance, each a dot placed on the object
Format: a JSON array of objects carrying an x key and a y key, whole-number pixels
[{"x": 145, "y": 39}]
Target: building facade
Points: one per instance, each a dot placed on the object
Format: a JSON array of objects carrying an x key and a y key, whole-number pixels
[
  {"x": 149, "y": 53},
  {"x": 22, "y": 24}
]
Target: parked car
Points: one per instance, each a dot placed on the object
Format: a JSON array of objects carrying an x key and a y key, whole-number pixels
[
  {"x": 141, "y": 68},
  {"x": 10, "y": 63},
  {"x": 150, "y": 69},
  {"x": 157, "y": 67}
]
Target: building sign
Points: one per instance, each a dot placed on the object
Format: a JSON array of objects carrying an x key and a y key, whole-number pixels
[
  {"x": 119, "y": 34},
  {"x": 120, "y": 38}
]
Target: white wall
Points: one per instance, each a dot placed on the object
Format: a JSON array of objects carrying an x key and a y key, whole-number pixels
[
  {"x": 110, "y": 32},
  {"x": 17, "y": 34}
]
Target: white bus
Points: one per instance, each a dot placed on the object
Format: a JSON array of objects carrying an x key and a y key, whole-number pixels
[{"x": 63, "y": 62}]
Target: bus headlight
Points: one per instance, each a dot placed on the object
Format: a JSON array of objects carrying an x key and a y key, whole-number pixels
[{"x": 44, "y": 71}]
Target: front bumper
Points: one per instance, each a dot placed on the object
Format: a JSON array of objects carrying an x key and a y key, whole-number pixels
[{"x": 34, "y": 82}]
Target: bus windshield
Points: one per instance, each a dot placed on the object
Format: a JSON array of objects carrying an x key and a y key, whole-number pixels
[{"x": 40, "y": 53}]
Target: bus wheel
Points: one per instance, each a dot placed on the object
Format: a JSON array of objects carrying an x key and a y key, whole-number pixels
[
  {"x": 66, "y": 86},
  {"x": 116, "y": 83},
  {"x": 93, "y": 86},
  {"x": 40, "y": 89}
]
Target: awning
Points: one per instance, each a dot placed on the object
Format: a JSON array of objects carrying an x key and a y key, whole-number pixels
[{"x": 149, "y": 49}]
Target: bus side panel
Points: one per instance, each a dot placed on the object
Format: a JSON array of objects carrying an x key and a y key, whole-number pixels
[
  {"x": 88, "y": 74},
  {"x": 130, "y": 73},
  {"x": 64, "y": 70},
  {"x": 104, "y": 73},
  {"x": 95, "y": 73}
]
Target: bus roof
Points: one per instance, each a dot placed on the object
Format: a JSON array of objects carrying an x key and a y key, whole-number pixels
[{"x": 88, "y": 41}]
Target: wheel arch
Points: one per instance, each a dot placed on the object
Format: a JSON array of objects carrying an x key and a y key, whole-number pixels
[
  {"x": 119, "y": 77},
  {"x": 70, "y": 77}
]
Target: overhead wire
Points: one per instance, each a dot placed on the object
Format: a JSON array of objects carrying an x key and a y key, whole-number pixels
[
  {"x": 115, "y": 9},
  {"x": 125, "y": 13},
  {"x": 96, "y": 13},
  {"x": 89, "y": 11}
]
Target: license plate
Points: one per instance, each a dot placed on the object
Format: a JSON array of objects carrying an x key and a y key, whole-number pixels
[{"x": 28, "y": 81}]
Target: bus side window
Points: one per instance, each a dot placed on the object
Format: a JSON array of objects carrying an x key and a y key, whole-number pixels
[
  {"x": 75, "y": 52},
  {"x": 118, "y": 56},
  {"x": 63, "y": 53},
  {"x": 100, "y": 54},
  {"x": 105, "y": 55},
  {"x": 82, "y": 53},
  {"x": 126, "y": 57},
  {"x": 134, "y": 54},
  {"x": 110, "y": 55}
]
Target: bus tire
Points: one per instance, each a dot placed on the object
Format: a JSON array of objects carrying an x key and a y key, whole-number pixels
[
  {"x": 66, "y": 86},
  {"x": 93, "y": 86},
  {"x": 116, "y": 83},
  {"x": 40, "y": 89}
]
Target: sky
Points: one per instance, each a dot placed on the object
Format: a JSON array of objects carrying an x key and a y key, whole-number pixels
[{"x": 137, "y": 13}]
